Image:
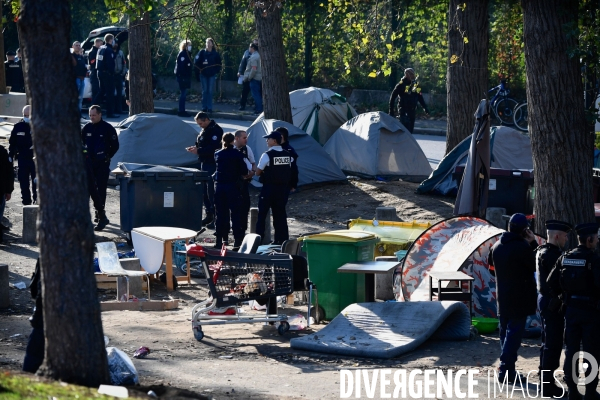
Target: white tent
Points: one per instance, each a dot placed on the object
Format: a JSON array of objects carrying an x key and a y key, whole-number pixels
[
  {"x": 376, "y": 144},
  {"x": 318, "y": 112},
  {"x": 157, "y": 139},
  {"x": 314, "y": 164}
]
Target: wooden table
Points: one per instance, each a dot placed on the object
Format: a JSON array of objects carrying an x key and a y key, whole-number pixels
[
  {"x": 151, "y": 257},
  {"x": 369, "y": 268},
  {"x": 451, "y": 293}
]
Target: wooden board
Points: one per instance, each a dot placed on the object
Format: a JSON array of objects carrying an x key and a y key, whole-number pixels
[{"x": 153, "y": 305}]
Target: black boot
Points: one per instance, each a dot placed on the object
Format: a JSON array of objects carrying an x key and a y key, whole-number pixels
[
  {"x": 237, "y": 244},
  {"x": 102, "y": 221},
  {"x": 208, "y": 219},
  {"x": 96, "y": 216}
]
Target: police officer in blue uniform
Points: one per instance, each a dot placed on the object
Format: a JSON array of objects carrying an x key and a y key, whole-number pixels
[
  {"x": 285, "y": 144},
  {"x": 241, "y": 144},
  {"x": 230, "y": 171},
  {"x": 550, "y": 305},
  {"x": 207, "y": 143},
  {"x": 577, "y": 273},
  {"x": 100, "y": 143},
  {"x": 275, "y": 171},
  {"x": 21, "y": 145},
  {"x": 105, "y": 64}
]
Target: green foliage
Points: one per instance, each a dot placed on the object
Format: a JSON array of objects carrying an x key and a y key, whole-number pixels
[
  {"x": 21, "y": 386},
  {"x": 506, "y": 53}
]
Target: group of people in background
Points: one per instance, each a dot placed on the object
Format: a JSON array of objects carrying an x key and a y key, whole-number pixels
[
  {"x": 207, "y": 64},
  {"x": 566, "y": 296},
  {"x": 230, "y": 164}
]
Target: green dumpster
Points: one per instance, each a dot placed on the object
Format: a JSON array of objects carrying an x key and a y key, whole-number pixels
[{"x": 328, "y": 251}]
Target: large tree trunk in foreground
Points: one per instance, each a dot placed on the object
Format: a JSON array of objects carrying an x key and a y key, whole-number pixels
[
  {"x": 141, "y": 96},
  {"x": 276, "y": 98},
  {"x": 72, "y": 324},
  {"x": 562, "y": 150},
  {"x": 467, "y": 77}
]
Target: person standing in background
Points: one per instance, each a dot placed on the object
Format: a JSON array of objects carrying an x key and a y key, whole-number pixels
[
  {"x": 80, "y": 71},
  {"x": 245, "y": 84},
  {"x": 183, "y": 72},
  {"x": 253, "y": 75},
  {"x": 120, "y": 71},
  {"x": 207, "y": 66}
]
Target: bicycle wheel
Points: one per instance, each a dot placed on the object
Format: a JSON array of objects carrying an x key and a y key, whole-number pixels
[
  {"x": 504, "y": 109},
  {"x": 520, "y": 117},
  {"x": 196, "y": 269}
]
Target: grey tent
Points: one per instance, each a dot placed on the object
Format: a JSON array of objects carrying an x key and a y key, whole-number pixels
[
  {"x": 314, "y": 164},
  {"x": 157, "y": 139},
  {"x": 509, "y": 149},
  {"x": 319, "y": 112},
  {"x": 376, "y": 144}
]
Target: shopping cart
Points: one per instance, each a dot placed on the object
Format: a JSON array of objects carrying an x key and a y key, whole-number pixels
[{"x": 235, "y": 278}]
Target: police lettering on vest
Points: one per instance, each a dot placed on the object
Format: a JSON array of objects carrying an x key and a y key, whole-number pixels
[
  {"x": 575, "y": 276},
  {"x": 279, "y": 170}
]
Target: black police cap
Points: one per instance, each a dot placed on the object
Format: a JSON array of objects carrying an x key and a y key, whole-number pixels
[
  {"x": 556, "y": 225},
  {"x": 587, "y": 229},
  {"x": 11, "y": 53}
]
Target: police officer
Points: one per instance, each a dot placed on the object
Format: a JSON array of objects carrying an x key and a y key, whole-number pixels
[
  {"x": 409, "y": 94},
  {"x": 13, "y": 71},
  {"x": 105, "y": 64},
  {"x": 7, "y": 184},
  {"x": 275, "y": 171},
  {"x": 514, "y": 262},
  {"x": 34, "y": 353},
  {"x": 285, "y": 144},
  {"x": 241, "y": 143},
  {"x": 21, "y": 145},
  {"x": 93, "y": 71},
  {"x": 230, "y": 170},
  {"x": 207, "y": 143},
  {"x": 100, "y": 142},
  {"x": 577, "y": 272},
  {"x": 550, "y": 306}
]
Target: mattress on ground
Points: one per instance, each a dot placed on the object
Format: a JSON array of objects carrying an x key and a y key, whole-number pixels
[{"x": 387, "y": 330}]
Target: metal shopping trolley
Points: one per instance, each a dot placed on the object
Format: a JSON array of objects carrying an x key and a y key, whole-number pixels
[{"x": 235, "y": 278}]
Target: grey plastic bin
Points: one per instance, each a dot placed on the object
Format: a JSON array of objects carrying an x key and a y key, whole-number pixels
[{"x": 156, "y": 195}]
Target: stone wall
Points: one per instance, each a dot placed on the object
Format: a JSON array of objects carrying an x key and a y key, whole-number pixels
[{"x": 356, "y": 97}]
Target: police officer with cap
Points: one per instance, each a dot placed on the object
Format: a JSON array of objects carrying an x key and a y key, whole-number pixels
[
  {"x": 274, "y": 170},
  {"x": 550, "y": 306},
  {"x": 100, "y": 143},
  {"x": 513, "y": 259},
  {"x": 577, "y": 272},
  {"x": 230, "y": 171},
  {"x": 13, "y": 71},
  {"x": 207, "y": 143},
  {"x": 105, "y": 64}
]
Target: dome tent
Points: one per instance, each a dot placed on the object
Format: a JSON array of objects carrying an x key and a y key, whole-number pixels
[
  {"x": 456, "y": 244},
  {"x": 376, "y": 144},
  {"x": 318, "y": 112},
  {"x": 157, "y": 139},
  {"x": 314, "y": 164}
]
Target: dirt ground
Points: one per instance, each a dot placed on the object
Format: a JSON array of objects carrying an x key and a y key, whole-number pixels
[{"x": 247, "y": 361}]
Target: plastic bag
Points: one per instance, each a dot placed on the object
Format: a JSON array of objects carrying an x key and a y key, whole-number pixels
[
  {"x": 297, "y": 322},
  {"x": 121, "y": 368}
]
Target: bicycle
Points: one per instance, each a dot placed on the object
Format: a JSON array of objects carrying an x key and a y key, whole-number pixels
[
  {"x": 520, "y": 117},
  {"x": 502, "y": 104}
]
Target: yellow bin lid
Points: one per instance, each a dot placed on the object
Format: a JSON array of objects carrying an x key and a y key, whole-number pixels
[{"x": 342, "y": 236}]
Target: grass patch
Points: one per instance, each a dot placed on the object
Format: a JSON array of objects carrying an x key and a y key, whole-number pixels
[{"x": 24, "y": 386}]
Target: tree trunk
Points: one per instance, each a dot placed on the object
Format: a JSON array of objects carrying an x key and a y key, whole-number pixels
[
  {"x": 467, "y": 77},
  {"x": 72, "y": 325},
  {"x": 309, "y": 19},
  {"x": 141, "y": 96},
  {"x": 276, "y": 98},
  {"x": 562, "y": 150}
]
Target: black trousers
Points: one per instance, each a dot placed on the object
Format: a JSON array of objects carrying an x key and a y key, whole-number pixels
[
  {"x": 245, "y": 92},
  {"x": 553, "y": 324},
  {"x": 245, "y": 211},
  {"x": 95, "y": 83},
  {"x": 407, "y": 117},
  {"x": 273, "y": 197},
  {"x": 582, "y": 328},
  {"x": 107, "y": 88},
  {"x": 98, "y": 173},
  {"x": 26, "y": 175},
  {"x": 34, "y": 354}
]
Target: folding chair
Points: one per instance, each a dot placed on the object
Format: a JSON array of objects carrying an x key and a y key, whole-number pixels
[{"x": 108, "y": 261}]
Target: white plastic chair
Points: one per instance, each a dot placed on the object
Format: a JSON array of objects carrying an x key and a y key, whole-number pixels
[{"x": 108, "y": 261}]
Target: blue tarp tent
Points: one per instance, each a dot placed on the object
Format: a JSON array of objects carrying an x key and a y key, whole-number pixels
[{"x": 509, "y": 149}]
